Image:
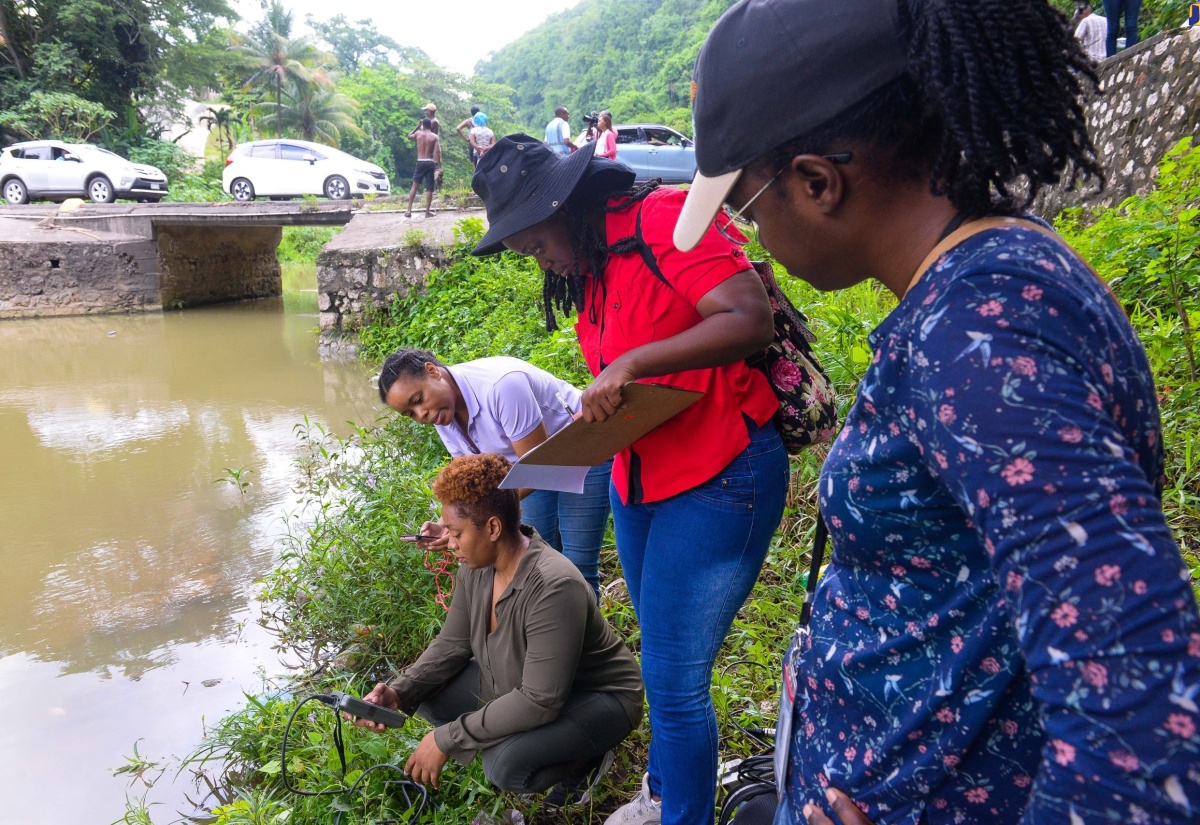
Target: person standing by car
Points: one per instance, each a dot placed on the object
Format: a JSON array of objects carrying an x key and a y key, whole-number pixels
[
  {"x": 696, "y": 501},
  {"x": 505, "y": 406},
  {"x": 464, "y": 132},
  {"x": 606, "y": 140},
  {"x": 558, "y": 132},
  {"x": 429, "y": 161},
  {"x": 591, "y": 131},
  {"x": 1006, "y": 631}
]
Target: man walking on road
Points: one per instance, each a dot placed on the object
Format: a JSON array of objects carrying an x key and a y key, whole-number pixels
[
  {"x": 429, "y": 161},
  {"x": 558, "y": 132}
]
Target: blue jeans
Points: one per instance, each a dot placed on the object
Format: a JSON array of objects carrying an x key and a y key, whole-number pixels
[
  {"x": 1112, "y": 13},
  {"x": 574, "y": 524},
  {"x": 690, "y": 561}
]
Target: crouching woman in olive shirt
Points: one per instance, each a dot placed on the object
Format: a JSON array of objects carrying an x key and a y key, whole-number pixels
[{"x": 526, "y": 670}]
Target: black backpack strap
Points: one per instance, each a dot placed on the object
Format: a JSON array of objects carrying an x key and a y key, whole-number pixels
[{"x": 647, "y": 253}]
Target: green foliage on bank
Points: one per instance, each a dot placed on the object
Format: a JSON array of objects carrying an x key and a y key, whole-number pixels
[
  {"x": 1148, "y": 250},
  {"x": 477, "y": 307}
]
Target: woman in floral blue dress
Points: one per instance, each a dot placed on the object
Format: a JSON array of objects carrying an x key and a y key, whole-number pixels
[{"x": 1006, "y": 631}]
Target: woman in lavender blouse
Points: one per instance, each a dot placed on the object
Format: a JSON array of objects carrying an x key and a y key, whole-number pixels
[{"x": 505, "y": 406}]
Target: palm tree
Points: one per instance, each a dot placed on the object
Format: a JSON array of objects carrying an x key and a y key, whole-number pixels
[
  {"x": 221, "y": 119},
  {"x": 278, "y": 61},
  {"x": 316, "y": 110}
]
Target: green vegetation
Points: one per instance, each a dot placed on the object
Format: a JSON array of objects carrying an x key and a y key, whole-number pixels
[
  {"x": 302, "y": 244},
  {"x": 633, "y": 57},
  {"x": 1147, "y": 249},
  {"x": 117, "y": 75}
]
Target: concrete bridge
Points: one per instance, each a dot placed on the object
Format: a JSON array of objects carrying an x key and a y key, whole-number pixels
[{"x": 146, "y": 257}]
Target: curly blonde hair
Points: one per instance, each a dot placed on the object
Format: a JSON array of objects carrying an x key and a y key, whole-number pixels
[{"x": 471, "y": 483}]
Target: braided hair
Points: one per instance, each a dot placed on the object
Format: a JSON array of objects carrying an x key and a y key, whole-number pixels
[
  {"x": 404, "y": 363},
  {"x": 990, "y": 107},
  {"x": 589, "y": 252}
]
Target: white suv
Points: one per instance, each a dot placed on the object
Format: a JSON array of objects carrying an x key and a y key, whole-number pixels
[
  {"x": 52, "y": 170},
  {"x": 291, "y": 168}
]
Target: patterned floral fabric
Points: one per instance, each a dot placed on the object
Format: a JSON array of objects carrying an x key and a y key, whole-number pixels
[{"x": 1006, "y": 632}]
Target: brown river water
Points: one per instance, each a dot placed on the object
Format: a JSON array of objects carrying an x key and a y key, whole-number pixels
[{"x": 128, "y": 559}]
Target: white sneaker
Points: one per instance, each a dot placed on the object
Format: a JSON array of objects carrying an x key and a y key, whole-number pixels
[{"x": 643, "y": 810}]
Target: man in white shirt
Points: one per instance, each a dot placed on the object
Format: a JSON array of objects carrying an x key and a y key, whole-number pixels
[
  {"x": 558, "y": 132},
  {"x": 1091, "y": 32}
]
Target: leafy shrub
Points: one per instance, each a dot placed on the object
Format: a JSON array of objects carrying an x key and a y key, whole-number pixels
[
  {"x": 478, "y": 307},
  {"x": 302, "y": 244},
  {"x": 175, "y": 162}
]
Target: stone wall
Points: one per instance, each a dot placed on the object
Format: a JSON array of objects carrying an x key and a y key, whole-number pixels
[
  {"x": 206, "y": 265},
  {"x": 62, "y": 272},
  {"x": 1150, "y": 98},
  {"x": 378, "y": 255}
]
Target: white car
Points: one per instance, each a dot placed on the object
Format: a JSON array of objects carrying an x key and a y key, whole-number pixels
[
  {"x": 53, "y": 170},
  {"x": 291, "y": 168}
]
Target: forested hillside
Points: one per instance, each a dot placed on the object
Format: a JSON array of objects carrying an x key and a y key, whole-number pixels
[{"x": 634, "y": 57}]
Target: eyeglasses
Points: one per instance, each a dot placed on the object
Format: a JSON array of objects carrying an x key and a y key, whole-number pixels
[{"x": 738, "y": 216}]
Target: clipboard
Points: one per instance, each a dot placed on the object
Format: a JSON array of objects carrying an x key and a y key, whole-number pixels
[{"x": 561, "y": 462}]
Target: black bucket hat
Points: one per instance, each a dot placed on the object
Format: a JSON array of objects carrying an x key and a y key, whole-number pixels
[{"x": 523, "y": 182}]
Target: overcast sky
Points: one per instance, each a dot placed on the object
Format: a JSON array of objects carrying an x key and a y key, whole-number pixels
[{"x": 455, "y": 33}]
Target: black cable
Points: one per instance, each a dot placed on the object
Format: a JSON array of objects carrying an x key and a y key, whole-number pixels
[
  {"x": 763, "y": 737},
  {"x": 416, "y": 797}
]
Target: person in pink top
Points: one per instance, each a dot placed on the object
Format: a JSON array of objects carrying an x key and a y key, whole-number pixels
[{"x": 606, "y": 144}]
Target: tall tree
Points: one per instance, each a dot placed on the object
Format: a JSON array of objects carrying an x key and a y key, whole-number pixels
[
  {"x": 355, "y": 45},
  {"x": 120, "y": 55},
  {"x": 316, "y": 110},
  {"x": 276, "y": 60}
]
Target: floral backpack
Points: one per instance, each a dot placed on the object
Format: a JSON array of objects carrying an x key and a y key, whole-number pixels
[{"x": 807, "y": 406}]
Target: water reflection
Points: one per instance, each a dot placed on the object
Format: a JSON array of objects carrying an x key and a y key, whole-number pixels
[{"x": 128, "y": 547}]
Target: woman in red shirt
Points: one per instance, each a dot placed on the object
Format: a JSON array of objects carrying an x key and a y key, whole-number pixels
[{"x": 695, "y": 502}]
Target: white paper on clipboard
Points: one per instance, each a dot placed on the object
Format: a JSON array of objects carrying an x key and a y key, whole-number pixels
[{"x": 545, "y": 477}]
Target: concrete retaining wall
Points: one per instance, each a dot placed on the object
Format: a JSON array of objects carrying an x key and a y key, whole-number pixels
[{"x": 62, "y": 272}]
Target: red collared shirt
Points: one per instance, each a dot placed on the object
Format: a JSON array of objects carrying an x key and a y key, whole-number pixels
[{"x": 633, "y": 308}]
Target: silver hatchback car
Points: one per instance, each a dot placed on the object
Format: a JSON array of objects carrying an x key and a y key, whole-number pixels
[
  {"x": 655, "y": 151},
  {"x": 53, "y": 170}
]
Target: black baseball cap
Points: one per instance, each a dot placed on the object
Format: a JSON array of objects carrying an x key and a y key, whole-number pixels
[{"x": 771, "y": 70}]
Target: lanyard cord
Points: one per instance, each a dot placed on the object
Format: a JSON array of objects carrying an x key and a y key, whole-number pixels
[{"x": 817, "y": 558}]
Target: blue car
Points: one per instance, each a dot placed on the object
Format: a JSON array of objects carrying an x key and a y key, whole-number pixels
[{"x": 656, "y": 151}]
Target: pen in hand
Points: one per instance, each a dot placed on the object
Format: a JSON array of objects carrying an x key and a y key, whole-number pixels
[{"x": 562, "y": 400}]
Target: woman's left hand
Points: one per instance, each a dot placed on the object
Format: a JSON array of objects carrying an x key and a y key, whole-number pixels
[
  {"x": 426, "y": 763},
  {"x": 845, "y": 809},
  {"x": 604, "y": 397}
]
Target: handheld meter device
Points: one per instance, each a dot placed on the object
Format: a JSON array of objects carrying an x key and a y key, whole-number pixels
[{"x": 365, "y": 710}]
